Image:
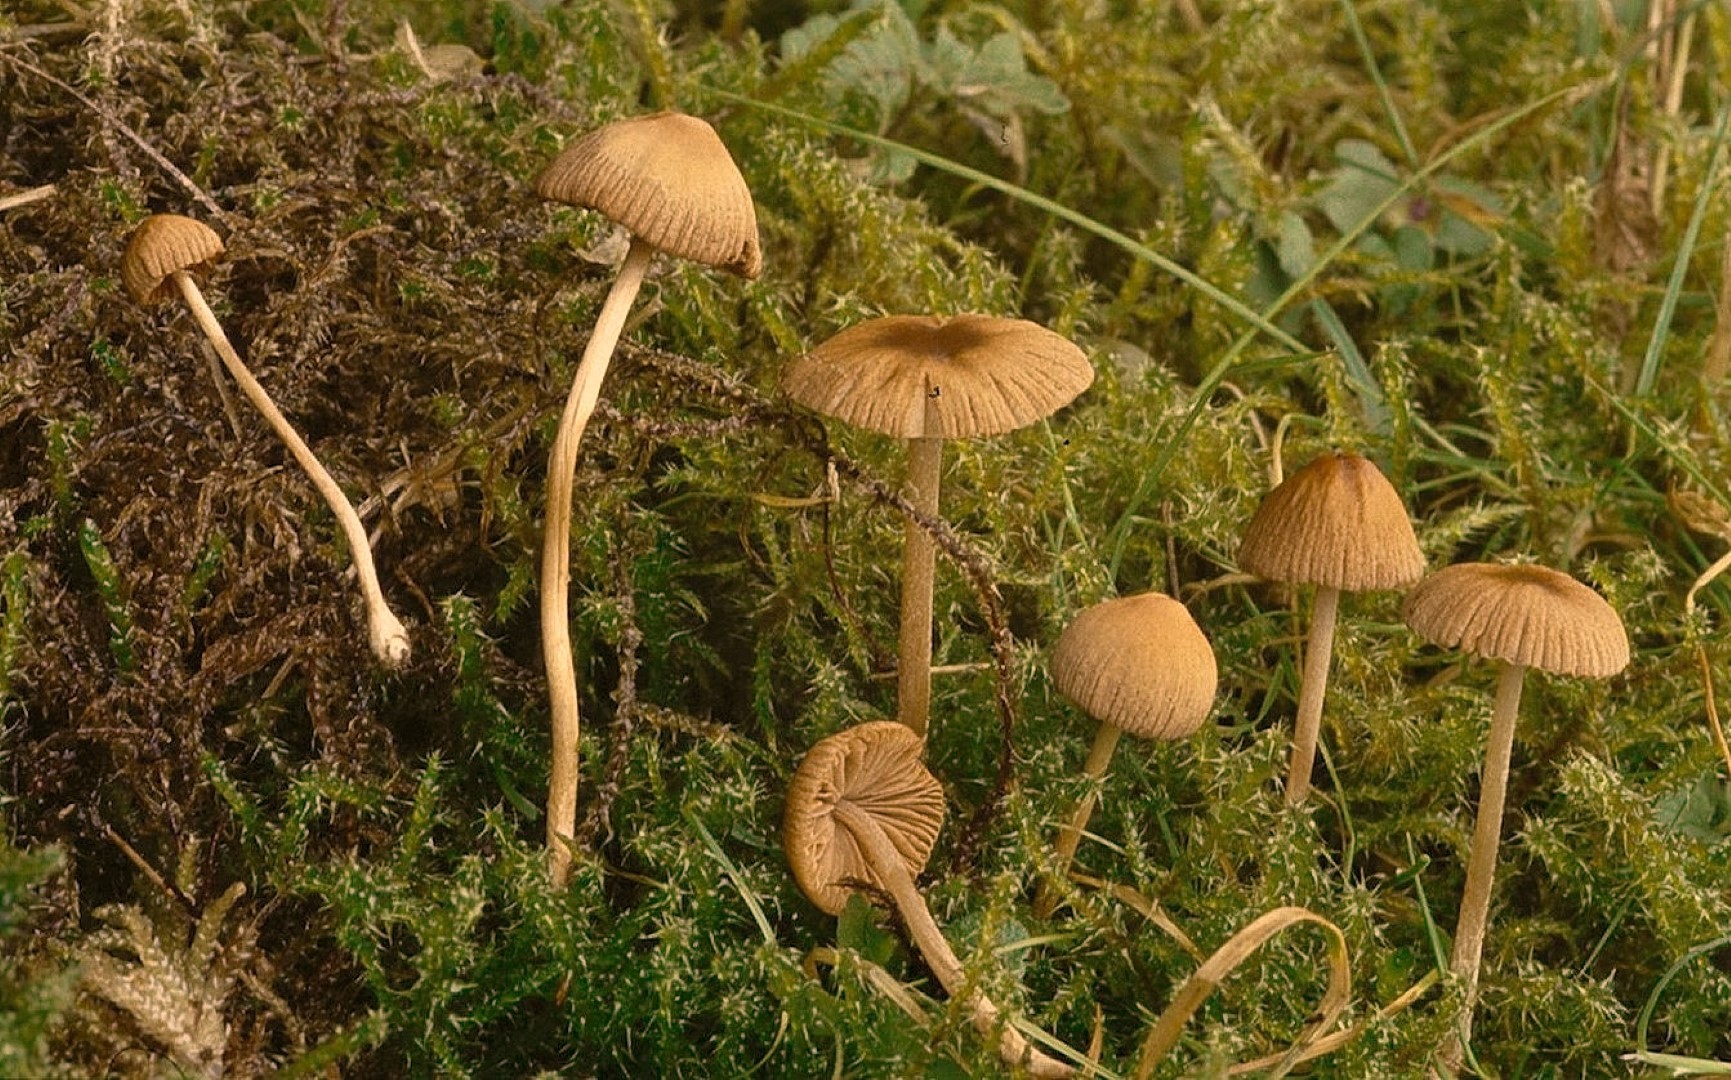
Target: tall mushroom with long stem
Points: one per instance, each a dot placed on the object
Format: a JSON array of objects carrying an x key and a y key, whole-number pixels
[
  {"x": 1337, "y": 524},
  {"x": 925, "y": 379},
  {"x": 671, "y": 182},
  {"x": 1139, "y": 665},
  {"x": 1523, "y": 617},
  {"x": 163, "y": 255},
  {"x": 861, "y": 808}
]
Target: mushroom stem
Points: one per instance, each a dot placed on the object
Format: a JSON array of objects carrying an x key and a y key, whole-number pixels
[
  {"x": 919, "y": 557},
  {"x": 556, "y": 556},
  {"x": 1469, "y": 943},
  {"x": 881, "y": 854},
  {"x": 1313, "y": 683},
  {"x": 1070, "y": 836},
  {"x": 385, "y": 632}
]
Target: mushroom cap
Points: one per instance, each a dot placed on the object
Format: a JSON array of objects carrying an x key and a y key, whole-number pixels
[
  {"x": 1139, "y": 663},
  {"x": 669, "y": 179},
  {"x": 162, "y": 244},
  {"x": 876, "y": 767},
  {"x": 1528, "y": 615},
  {"x": 924, "y": 376},
  {"x": 1338, "y": 523}
]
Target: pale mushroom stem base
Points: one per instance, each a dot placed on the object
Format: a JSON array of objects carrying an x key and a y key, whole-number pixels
[
  {"x": 919, "y": 563},
  {"x": 1070, "y": 836},
  {"x": 1313, "y": 684},
  {"x": 556, "y": 557},
  {"x": 1482, "y": 863},
  {"x": 881, "y": 853},
  {"x": 385, "y": 632}
]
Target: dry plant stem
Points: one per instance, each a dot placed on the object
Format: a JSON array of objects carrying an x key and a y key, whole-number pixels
[
  {"x": 385, "y": 632},
  {"x": 1318, "y": 652},
  {"x": 1482, "y": 863},
  {"x": 881, "y": 854},
  {"x": 1070, "y": 836},
  {"x": 919, "y": 558},
  {"x": 556, "y": 557}
]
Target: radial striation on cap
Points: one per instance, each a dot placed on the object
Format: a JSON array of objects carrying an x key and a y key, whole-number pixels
[
  {"x": 163, "y": 244},
  {"x": 925, "y": 376},
  {"x": 876, "y": 767},
  {"x": 670, "y": 180},
  {"x": 1528, "y": 615},
  {"x": 1139, "y": 663},
  {"x": 1337, "y": 523}
]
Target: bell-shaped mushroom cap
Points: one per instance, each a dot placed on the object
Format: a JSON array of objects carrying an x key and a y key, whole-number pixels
[
  {"x": 1528, "y": 615},
  {"x": 920, "y": 376},
  {"x": 669, "y": 179},
  {"x": 163, "y": 244},
  {"x": 1139, "y": 663},
  {"x": 876, "y": 768},
  {"x": 1337, "y": 523}
]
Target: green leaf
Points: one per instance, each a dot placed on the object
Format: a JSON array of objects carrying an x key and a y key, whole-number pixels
[
  {"x": 1701, "y": 811},
  {"x": 857, "y": 928}
]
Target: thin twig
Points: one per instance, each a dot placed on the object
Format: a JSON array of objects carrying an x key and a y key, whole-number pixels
[{"x": 27, "y": 196}]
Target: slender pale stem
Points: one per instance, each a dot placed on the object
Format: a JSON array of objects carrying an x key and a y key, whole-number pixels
[
  {"x": 1469, "y": 943},
  {"x": 881, "y": 853},
  {"x": 556, "y": 557},
  {"x": 1070, "y": 836},
  {"x": 919, "y": 557},
  {"x": 385, "y": 632},
  {"x": 1313, "y": 683}
]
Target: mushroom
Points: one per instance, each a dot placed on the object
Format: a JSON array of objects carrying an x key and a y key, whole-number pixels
[
  {"x": 162, "y": 256},
  {"x": 1137, "y": 664},
  {"x": 669, "y": 180},
  {"x": 1521, "y": 616},
  {"x": 862, "y": 810},
  {"x": 1337, "y": 524},
  {"x": 926, "y": 379}
]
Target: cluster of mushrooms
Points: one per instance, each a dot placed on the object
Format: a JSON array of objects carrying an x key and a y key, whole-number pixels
[{"x": 863, "y": 812}]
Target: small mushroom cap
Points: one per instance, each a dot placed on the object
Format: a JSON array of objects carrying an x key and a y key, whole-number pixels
[
  {"x": 876, "y": 767},
  {"x": 1139, "y": 663},
  {"x": 1338, "y": 523},
  {"x": 1528, "y": 615},
  {"x": 161, "y": 245},
  {"x": 920, "y": 376},
  {"x": 669, "y": 179}
]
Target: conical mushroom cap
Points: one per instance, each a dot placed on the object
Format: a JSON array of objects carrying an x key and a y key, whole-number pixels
[
  {"x": 669, "y": 179},
  {"x": 920, "y": 376},
  {"x": 875, "y": 767},
  {"x": 161, "y": 245},
  {"x": 1139, "y": 663},
  {"x": 1338, "y": 523},
  {"x": 1528, "y": 615}
]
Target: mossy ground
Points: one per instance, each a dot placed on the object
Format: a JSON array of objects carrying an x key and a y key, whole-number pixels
[{"x": 1488, "y": 244}]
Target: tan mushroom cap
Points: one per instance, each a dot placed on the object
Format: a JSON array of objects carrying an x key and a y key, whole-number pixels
[
  {"x": 960, "y": 376},
  {"x": 1139, "y": 663},
  {"x": 1337, "y": 523},
  {"x": 876, "y": 767},
  {"x": 161, "y": 245},
  {"x": 669, "y": 179},
  {"x": 1528, "y": 615}
]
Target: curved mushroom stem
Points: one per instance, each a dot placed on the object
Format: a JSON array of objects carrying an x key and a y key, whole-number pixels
[
  {"x": 1070, "y": 836},
  {"x": 556, "y": 556},
  {"x": 385, "y": 632},
  {"x": 919, "y": 557},
  {"x": 1318, "y": 651},
  {"x": 1482, "y": 863},
  {"x": 929, "y": 940}
]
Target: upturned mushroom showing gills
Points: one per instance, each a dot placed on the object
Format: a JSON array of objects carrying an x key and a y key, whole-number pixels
[
  {"x": 1522, "y": 617},
  {"x": 926, "y": 379},
  {"x": 669, "y": 180},
  {"x": 162, "y": 257},
  {"x": 1137, "y": 664},
  {"x": 1337, "y": 524},
  {"x": 861, "y": 808}
]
